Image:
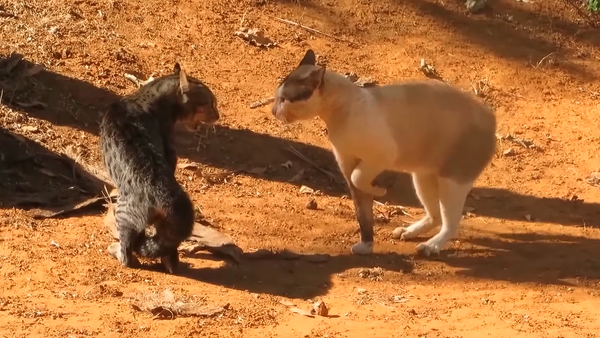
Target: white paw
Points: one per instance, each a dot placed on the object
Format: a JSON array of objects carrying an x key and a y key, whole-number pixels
[
  {"x": 403, "y": 233},
  {"x": 362, "y": 248},
  {"x": 428, "y": 249},
  {"x": 114, "y": 249}
]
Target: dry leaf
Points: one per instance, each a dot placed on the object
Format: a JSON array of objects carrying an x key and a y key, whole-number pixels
[
  {"x": 257, "y": 171},
  {"x": 167, "y": 305},
  {"x": 66, "y": 208},
  {"x": 255, "y": 37},
  {"x": 192, "y": 165},
  {"x": 306, "y": 190},
  {"x": 509, "y": 152},
  {"x": 287, "y": 165},
  {"x": 429, "y": 70},
  {"x": 365, "y": 82},
  {"x": 301, "y": 312},
  {"x": 593, "y": 179},
  {"x": 31, "y": 129},
  {"x": 286, "y": 302}
]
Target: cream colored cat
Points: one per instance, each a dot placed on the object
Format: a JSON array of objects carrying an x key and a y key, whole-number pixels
[{"x": 444, "y": 137}]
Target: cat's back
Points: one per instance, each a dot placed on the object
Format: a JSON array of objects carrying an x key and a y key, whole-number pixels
[
  {"x": 131, "y": 142},
  {"x": 128, "y": 122},
  {"x": 432, "y": 104}
]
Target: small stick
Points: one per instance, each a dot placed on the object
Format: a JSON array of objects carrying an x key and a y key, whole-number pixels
[
  {"x": 243, "y": 19},
  {"x": 544, "y": 58},
  {"x": 312, "y": 30},
  {"x": 137, "y": 81},
  {"x": 380, "y": 303},
  {"x": 305, "y": 159},
  {"x": 262, "y": 102}
]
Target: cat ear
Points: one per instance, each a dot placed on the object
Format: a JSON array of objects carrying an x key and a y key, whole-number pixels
[
  {"x": 316, "y": 77},
  {"x": 309, "y": 58},
  {"x": 183, "y": 82},
  {"x": 176, "y": 68}
]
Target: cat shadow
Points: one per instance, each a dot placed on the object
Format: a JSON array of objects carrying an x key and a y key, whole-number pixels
[
  {"x": 515, "y": 258},
  {"x": 34, "y": 177},
  {"x": 530, "y": 258},
  {"x": 299, "y": 279},
  {"x": 242, "y": 150}
]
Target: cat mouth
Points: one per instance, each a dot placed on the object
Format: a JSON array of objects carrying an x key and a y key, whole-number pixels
[{"x": 283, "y": 117}]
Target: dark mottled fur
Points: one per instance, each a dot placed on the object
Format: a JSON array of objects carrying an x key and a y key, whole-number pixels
[{"x": 136, "y": 141}]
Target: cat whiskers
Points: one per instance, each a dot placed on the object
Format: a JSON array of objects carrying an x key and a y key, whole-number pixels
[{"x": 202, "y": 136}]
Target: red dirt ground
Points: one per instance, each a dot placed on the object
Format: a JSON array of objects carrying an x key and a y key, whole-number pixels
[{"x": 527, "y": 260}]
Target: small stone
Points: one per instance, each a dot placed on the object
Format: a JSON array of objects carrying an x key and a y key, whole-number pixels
[
  {"x": 475, "y": 5},
  {"x": 320, "y": 309},
  {"x": 312, "y": 205},
  {"x": 509, "y": 152}
]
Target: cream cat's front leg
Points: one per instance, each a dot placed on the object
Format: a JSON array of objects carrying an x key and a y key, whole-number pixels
[
  {"x": 363, "y": 204},
  {"x": 365, "y": 173}
]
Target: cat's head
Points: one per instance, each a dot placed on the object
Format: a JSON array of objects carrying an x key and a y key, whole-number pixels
[
  {"x": 198, "y": 101},
  {"x": 298, "y": 97}
]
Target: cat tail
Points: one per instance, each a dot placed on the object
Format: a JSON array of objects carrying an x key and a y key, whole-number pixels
[{"x": 172, "y": 228}]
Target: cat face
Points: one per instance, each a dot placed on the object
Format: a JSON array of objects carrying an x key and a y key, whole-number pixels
[
  {"x": 298, "y": 97},
  {"x": 198, "y": 101}
]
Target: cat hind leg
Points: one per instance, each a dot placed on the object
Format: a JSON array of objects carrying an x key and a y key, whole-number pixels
[
  {"x": 452, "y": 200},
  {"x": 426, "y": 187},
  {"x": 130, "y": 228}
]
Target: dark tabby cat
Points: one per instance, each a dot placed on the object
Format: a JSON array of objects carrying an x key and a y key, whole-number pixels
[{"x": 136, "y": 141}]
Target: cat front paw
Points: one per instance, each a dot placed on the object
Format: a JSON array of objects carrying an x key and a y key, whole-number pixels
[
  {"x": 403, "y": 233},
  {"x": 362, "y": 248},
  {"x": 114, "y": 249},
  {"x": 428, "y": 249}
]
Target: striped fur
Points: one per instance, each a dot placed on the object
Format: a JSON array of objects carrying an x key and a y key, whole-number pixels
[{"x": 136, "y": 141}]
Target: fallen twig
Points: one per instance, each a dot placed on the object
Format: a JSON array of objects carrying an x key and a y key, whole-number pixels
[
  {"x": 261, "y": 103},
  {"x": 305, "y": 159},
  {"x": 312, "y": 30},
  {"x": 543, "y": 59},
  {"x": 139, "y": 82}
]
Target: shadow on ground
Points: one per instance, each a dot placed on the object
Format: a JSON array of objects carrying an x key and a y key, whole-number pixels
[
  {"x": 531, "y": 258},
  {"x": 511, "y": 30},
  {"x": 515, "y": 258},
  {"x": 242, "y": 149},
  {"x": 514, "y": 32},
  {"x": 296, "y": 278},
  {"x": 34, "y": 177}
]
